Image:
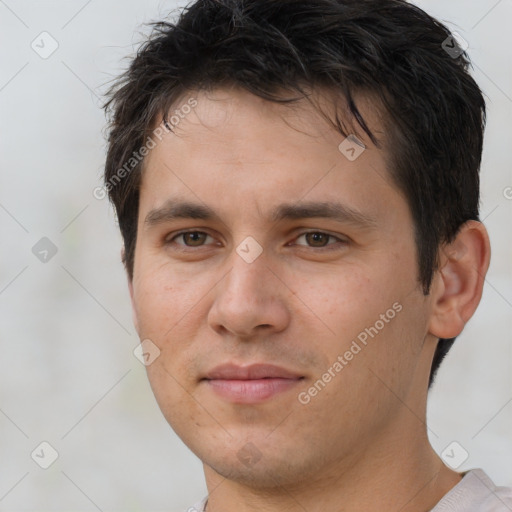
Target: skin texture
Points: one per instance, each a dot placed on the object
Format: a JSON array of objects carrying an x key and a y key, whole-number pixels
[{"x": 360, "y": 443}]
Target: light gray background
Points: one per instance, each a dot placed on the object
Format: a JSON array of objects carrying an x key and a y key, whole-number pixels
[{"x": 67, "y": 372}]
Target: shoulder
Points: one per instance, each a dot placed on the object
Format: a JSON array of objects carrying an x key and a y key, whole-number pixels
[{"x": 476, "y": 492}]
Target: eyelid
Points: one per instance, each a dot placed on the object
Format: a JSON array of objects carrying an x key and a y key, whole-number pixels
[
  {"x": 340, "y": 240},
  {"x": 171, "y": 239}
]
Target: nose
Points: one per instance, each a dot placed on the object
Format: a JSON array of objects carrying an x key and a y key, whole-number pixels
[{"x": 249, "y": 300}]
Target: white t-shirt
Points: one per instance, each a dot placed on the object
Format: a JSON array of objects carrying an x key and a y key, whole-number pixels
[{"x": 474, "y": 493}]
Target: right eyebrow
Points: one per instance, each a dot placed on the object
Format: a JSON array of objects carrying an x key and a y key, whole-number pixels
[{"x": 173, "y": 210}]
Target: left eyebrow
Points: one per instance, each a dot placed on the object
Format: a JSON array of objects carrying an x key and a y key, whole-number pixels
[{"x": 324, "y": 209}]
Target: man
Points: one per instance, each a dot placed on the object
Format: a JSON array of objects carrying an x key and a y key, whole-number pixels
[{"x": 296, "y": 184}]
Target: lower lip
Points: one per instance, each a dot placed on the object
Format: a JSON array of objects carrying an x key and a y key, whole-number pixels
[{"x": 251, "y": 391}]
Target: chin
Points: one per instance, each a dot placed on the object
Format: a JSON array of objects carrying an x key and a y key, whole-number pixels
[
  {"x": 263, "y": 475},
  {"x": 267, "y": 469}
]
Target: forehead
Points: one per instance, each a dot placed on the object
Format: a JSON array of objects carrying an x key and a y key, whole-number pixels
[
  {"x": 230, "y": 142},
  {"x": 314, "y": 116}
]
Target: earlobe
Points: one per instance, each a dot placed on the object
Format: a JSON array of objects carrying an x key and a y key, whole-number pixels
[{"x": 459, "y": 280}]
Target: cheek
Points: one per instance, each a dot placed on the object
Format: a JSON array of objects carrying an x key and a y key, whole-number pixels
[
  {"x": 173, "y": 396},
  {"x": 167, "y": 310},
  {"x": 349, "y": 300},
  {"x": 375, "y": 318},
  {"x": 164, "y": 301}
]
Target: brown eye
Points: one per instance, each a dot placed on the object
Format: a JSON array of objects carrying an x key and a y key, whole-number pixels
[
  {"x": 321, "y": 241},
  {"x": 189, "y": 238},
  {"x": 317, "y": 239},
  {"x": 194, "y": 237}
]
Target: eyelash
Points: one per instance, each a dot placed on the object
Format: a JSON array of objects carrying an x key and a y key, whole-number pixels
[{"x": 170, "y": 241}]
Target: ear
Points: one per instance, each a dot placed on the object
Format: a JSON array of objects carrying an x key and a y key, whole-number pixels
[
  {"x": 458, "y": 283},
  {"x": 130, "y": 288}
]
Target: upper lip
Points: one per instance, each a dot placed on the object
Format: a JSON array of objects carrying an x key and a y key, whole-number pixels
[{"x": 231, "y": 371}]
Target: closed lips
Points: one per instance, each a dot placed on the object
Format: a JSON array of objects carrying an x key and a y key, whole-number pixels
[{"x": 253, "y": 372}]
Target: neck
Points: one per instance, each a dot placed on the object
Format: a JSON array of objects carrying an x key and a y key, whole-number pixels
[{"x": 397, "y": 470}]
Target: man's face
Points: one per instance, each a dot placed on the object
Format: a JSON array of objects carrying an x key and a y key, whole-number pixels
[{"x": 332, "y": 301}]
